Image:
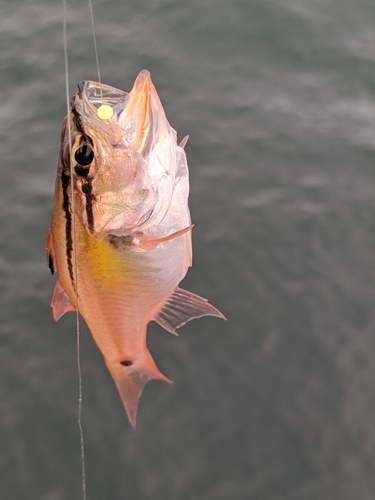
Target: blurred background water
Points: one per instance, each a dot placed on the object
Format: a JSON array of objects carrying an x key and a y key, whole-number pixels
[{"x": 278, "y": 97}]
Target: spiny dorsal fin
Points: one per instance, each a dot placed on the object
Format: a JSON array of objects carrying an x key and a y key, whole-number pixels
[
  {"x": 50, "y": 252},
  {"x": 183, "y": 306},
  {"x": 61, "y": 303}
]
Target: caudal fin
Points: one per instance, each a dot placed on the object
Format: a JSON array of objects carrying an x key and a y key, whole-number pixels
[{"x": 130, "y": 377}]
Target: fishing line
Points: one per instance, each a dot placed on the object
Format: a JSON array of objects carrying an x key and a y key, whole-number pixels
[
  {"x": 78, "y": 346},
  {"x": 96, "y": 50}
]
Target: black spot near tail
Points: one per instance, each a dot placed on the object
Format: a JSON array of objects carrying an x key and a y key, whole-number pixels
[{"x": 127, "y": 362}]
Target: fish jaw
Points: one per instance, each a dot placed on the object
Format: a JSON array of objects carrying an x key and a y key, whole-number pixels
[{"x": 130, "y": 183}]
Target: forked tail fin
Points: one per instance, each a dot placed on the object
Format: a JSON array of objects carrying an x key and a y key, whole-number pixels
[{"x": 130, "y": 377}]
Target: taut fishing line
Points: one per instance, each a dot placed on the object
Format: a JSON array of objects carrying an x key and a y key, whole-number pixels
[
  {"x": 78, "y": 346},
  {"x": 96, "y": 50},
  {"x": 82, "y": 442}
]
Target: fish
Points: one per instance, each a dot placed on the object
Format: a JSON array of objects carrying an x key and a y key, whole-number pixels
[{"x": 120, "y": 236}]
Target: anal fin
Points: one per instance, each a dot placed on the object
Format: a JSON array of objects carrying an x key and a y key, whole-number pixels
[
  {"x": 184, "y": 141},
  {"x": 183, "y": 306},
  {"x": 61, "y": 303}
]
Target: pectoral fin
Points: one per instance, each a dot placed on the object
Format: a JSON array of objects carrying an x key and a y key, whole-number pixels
[
  {"x": 183, "y": 306},
  {"x": 61, "y": 303},
  {"x": 151, "y": 244}
]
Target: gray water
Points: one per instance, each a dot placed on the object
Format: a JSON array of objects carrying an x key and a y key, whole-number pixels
[{"x": 278, "y": 403}]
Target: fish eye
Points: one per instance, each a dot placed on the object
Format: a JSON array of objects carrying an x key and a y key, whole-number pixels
[{"x": 84, "y": 156}]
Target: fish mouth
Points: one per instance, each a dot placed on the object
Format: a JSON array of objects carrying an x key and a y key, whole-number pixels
[
  {"x": 133, "y": 117},
  {"x": 96, "y": 94},
  {"x": 127, "y": 107}
]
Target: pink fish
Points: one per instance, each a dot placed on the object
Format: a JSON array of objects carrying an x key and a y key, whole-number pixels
[{"x": 124, "y": 243}]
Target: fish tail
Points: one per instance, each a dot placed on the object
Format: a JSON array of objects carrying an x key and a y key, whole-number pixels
[{"x": 131, "y": 377}]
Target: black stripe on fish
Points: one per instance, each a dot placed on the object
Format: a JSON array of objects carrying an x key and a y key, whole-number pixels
[
  {"x": 85, "y": 139},
  {"x": 65, "y": 182},
  {"x": 50, "y": 263},
  {"x": 82, "y": 172},
  {"x": 81, "y": 86},
  {"x": 87, "y": 190},
  {"x": 77, "y": 120}
]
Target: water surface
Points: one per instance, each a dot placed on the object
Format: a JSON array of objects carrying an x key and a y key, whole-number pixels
[{"x": 279, "y": 402}]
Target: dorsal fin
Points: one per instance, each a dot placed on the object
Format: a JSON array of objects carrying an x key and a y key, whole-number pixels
[
  {"x": 183, "y": 306},
  {"x": 50, "y": 249}
]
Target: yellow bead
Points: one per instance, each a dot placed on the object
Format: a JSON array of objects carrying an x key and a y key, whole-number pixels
[{"x": 105, "y": 112}]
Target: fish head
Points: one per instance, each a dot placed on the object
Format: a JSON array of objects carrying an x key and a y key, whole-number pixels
[{"x": 124, "y": 166}]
